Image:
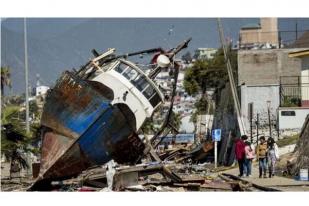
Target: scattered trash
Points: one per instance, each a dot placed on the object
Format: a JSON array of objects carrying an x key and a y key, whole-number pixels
[{"x": 303, "y": 175}]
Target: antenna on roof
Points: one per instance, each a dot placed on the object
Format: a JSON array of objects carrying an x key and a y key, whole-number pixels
[{"x": 38, "y": 83}]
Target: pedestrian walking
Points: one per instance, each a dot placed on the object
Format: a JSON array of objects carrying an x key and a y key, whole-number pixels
[
  {"x": 249, "y": 156},
  {"x": 272, "y": 156},
  {"x": 240, "y": 153},
  {"x": 261, "y": 153}
]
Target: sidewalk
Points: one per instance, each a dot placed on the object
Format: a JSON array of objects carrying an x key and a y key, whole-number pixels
[{"x": 282, "y": 183}]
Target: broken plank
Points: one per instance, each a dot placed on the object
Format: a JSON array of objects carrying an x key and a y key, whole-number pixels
[{"x": 174, "y": 177}]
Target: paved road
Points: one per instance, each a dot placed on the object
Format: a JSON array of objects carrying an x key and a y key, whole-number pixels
[{"x": 282, "y": 183}]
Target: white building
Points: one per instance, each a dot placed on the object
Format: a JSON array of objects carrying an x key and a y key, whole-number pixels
[
  {"x": 204, "y": 53},
  {"x": 41, "y": 90},
  {"x": 294, "y": 117}
]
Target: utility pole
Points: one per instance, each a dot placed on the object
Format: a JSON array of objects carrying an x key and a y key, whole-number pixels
[
  {"x": 231, "y": 80},
  {"x": 251, "y": 132},
  {"x": 26, "y": 77},
  {"x": 250, "y": 115},
  {"x": 269, "y": 122},
  {"x": 257, "y": 129},
  {"x": 279, "y": 40},
  {"x": 296, "y": 30}
]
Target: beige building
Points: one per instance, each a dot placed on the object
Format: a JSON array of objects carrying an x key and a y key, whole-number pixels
[
  {"x": 265, "y": 33},
  {"x": 259, "y": 75}
]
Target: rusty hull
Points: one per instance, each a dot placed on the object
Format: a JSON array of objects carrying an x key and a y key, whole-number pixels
[{"x": 80, "y": 128}]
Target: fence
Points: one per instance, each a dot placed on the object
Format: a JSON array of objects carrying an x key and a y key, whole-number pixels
[
  {"x": 294, "y": 91},
  {"x": 255, "y": 39}
]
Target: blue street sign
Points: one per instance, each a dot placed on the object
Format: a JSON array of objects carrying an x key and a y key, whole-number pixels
[{"x": 216, "y": 135}]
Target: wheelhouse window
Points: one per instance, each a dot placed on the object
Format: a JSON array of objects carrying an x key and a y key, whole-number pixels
[
  {"x": 121, "y": 67},
  {"x": 130, "y": 73},
  {"x": 149, "y": 91},
  {"x": 140, "y": 82},
  {"x": 155, "y": 100}
]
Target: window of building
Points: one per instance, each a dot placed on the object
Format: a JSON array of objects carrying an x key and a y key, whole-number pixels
[{"x": 288, "y": 113}]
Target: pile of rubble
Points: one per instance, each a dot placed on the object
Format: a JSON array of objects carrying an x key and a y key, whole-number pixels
[
  {"x": 181, "y": 169},
  {"x": 178, "y": 169},
  {"x": 154, "y": 176}
]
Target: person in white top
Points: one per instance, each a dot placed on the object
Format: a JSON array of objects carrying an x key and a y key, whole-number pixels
[{"x": 272, "y": 156}]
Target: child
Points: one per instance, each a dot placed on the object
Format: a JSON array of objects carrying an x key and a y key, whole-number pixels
[
  {"x": 272, "y": 156},
  {"x": 261, "y": 152},
  {"x": 249, "y": 157}
]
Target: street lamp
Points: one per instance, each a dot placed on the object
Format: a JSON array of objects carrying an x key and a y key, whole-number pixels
[
  {"x": 26, "y": 76},
  {"x": 268, "y": 110}
]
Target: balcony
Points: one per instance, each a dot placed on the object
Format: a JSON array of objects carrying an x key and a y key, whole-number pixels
[{"x": 294, "y": 91}]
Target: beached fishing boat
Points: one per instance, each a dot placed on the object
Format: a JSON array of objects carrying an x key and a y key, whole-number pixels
[{"x": 92, "y": 115}]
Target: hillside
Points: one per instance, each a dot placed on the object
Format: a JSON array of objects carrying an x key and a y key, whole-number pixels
[{"x": 58, "y": 44}]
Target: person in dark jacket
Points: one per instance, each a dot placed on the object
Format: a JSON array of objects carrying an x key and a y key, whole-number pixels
[{"x": 240, "y": 153}]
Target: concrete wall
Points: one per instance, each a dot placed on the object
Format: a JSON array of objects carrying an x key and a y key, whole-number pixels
[
  {"x": 264, "y": 67},
  {"x": 292, "y": 122},
  {"x": 259, "y": 95},
  {"x": 186, "y": 125}
]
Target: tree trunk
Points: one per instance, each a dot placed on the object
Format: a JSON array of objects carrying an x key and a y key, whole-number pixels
[{"x": 302, "y": 148}]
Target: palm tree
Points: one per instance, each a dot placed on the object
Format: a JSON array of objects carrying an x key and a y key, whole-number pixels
[
  {"x": 5, "y": 78},
  {"x": 13, "y": 142}
]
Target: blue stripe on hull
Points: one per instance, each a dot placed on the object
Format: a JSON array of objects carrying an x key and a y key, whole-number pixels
[
  {"x": 81, "y": 121},
  {"x": 99, "y": 141},
  {"x": 92, "y": 142}
]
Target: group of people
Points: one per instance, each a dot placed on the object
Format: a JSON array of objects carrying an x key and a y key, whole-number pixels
[{"x": 266, "y": 154}]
